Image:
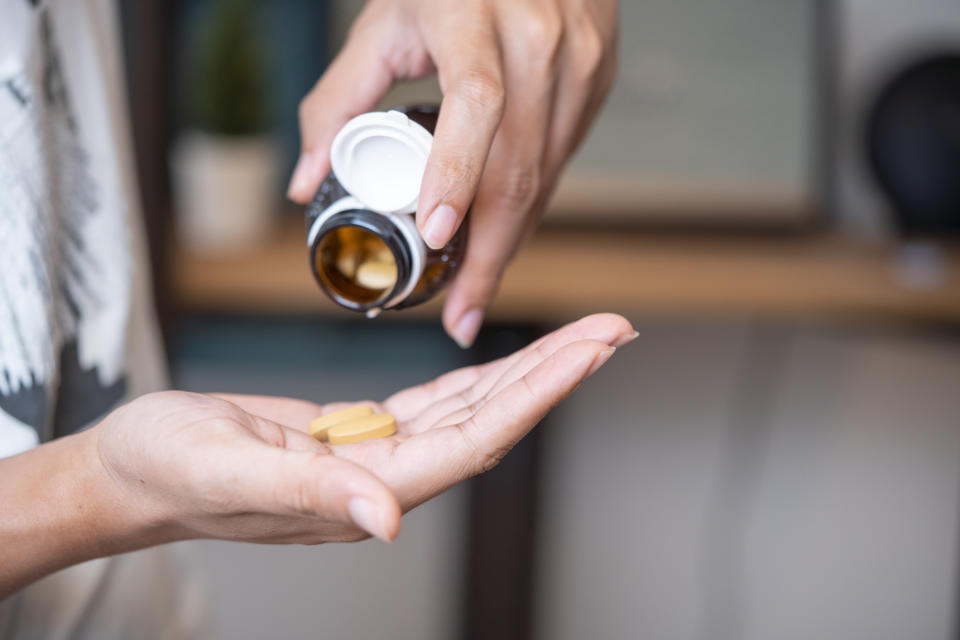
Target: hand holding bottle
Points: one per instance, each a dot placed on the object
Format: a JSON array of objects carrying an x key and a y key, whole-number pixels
[{"x": 522, "y": 81}]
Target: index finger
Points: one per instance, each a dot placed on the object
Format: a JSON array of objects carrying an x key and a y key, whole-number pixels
[
  {"x": 466, "y": 51},
  {"x": 353, "y": 83}
]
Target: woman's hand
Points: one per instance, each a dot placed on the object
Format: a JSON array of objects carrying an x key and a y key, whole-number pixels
[
  {"x": 176, "y": 465},
  {"x": 244, "y": 468},
  {"x": 522, "y": 80},
  {"x": 199, "y": 466},
  {"x": 463, "y": 423}
]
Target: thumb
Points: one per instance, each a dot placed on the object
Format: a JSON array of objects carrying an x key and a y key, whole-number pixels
[
  {"x": 354, "y": 82},
  {"x": 318, "y": 484}
]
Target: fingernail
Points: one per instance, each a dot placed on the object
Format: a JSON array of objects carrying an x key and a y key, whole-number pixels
[
  {"x": 301, "y": 175},
  {"x": 468, "y": 328},
  {"x": 625, "y": 339},
  {"x": 438, "y": 229},
  {"x": 601, "y": 358},
  {"x": 365, "y": 515}
]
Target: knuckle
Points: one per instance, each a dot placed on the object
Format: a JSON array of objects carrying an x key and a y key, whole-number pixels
[
  {"x": 300, "y": 494},
  {"x": 483, "y": 88},
  {"x": 590, "y": 53},
  {"x": 300, "y": 499},
  {"x": 521, "y": 186},
  {"x": 543, "y": 36}
]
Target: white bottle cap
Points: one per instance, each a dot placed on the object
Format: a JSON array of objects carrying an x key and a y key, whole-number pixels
[{"x": 380, "y": 158}]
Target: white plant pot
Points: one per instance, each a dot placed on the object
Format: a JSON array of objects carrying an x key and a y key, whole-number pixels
[{"x": 225, "y": 190}]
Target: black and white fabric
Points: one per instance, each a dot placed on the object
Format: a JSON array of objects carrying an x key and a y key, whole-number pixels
[{"x": 77, "y": 333}]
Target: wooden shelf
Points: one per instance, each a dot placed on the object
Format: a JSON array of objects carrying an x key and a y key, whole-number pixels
[{"x": 565, "y": 273}]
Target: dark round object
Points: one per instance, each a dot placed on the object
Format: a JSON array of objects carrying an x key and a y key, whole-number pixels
[
  {"x": 913, "y": 142},
  {"x": 344, "y": 292}
]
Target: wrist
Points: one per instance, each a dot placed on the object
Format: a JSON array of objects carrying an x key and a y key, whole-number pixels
[
  {"x": 61, "y": 507},
  {"x": 125, "y": 518}
]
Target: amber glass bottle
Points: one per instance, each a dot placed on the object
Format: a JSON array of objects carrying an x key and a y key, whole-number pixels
[{"x": 365, "y": 250}]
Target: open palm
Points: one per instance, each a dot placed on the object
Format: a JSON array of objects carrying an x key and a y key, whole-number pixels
[
  {"x": 463, "y": 423},
  {"x": 243, "y": 467}
]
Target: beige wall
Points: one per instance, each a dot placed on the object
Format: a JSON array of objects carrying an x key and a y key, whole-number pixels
[{"x": 715, "y": 480}]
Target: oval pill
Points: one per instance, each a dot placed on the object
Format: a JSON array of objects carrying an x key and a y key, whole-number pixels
[
  {"x": 376, "y": 275},
  {"x": 319, "y": 426},
  {"x": 381, "y": 253},
  {"x": 347, "y": 263},
  {"x": 378, "y": 425}
]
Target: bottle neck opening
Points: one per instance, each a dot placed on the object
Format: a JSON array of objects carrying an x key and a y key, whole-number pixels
[{"x": 361, "y": 260}]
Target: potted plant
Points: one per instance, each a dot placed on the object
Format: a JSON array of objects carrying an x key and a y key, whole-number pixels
[{"x": 225, "y": 164}]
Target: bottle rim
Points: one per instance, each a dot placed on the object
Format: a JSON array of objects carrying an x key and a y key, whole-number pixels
[{"x": 388, "y": 233}]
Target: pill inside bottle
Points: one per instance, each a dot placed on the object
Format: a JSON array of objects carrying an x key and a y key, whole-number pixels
[
  {"x": 355, "y": 264},
  {"x": 366, "y": 252}
]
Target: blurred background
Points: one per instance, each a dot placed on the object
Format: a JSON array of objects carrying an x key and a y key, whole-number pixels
[{"x": 771, "y": 196}]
